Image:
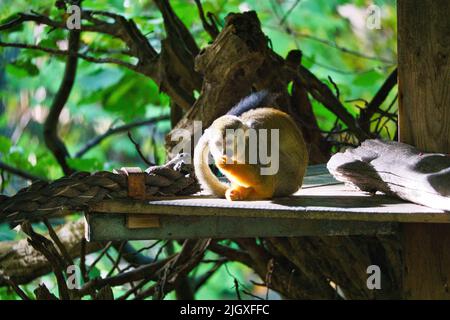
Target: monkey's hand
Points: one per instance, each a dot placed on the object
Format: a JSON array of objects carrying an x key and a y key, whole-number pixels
[
  {"x": 237, "y": 193},
  {"x": 246, "y": 179}
]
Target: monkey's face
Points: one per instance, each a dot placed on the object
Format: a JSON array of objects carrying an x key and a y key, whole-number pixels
[{"x": 227, "y": 137}]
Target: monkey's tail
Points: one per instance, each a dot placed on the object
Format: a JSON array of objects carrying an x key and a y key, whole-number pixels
[{"x": 209, "y": 182}]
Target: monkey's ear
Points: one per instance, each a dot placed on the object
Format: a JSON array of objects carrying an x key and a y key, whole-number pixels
[
  {"x": 213, "y": 134},
  {"x": 250, "y": 123}
]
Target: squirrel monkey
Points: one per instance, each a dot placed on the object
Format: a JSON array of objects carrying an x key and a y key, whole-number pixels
[{"x": 252, "y": 180}]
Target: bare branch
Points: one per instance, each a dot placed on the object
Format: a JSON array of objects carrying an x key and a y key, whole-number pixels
[
  {"x": 38, "y": 18},
  {"x": 46, "y": 247},
  {"x": 52, "y": 140},
  {"x": 324, "y": 95},
  {"x": 334, "y": 45},
  {"x": 190, "y": 255},
  {"x": 175, "y": 28},
  {"x": 289, "y": 11},
  {"x": 121, "y": 28},
  {"x": 134, "y": 290},
  {"x": 58, "y": 52},
  {"x": 211, "y": 28},
  {"x": 135, "y": 257},
  {"x": 121, "y": 129},
  {"x": 336, "y": 88},
  {"x": 42, "y": 293},
  {"x": 207, "y": 275},
  {"x": 100, "y": 256},
  {"x": 231, "y": 254},
  {"x": 15, "y": 287},
  {"x": 62, "y": 249},
  {"x": 22, "y": 263},
  {"x": 144, "y": 272},
  {"x": 374, "y": 105},
  {"x": 83, "y": 259},
  {"x": 172, "y": 69},
  {"x": 137, "y": 147},
  {"x": 19, "y": 172}
]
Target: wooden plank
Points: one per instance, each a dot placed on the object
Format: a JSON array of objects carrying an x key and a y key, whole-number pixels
[
  {"x": 316, "y": 175},
  {"x": 111, "y": 227},
  {"x": 139, "y": 221},
  {"x": 319, "y": 180},
  {"x": 424, "y": 121},
  {"x": 321, "y": 197},
  {"x": 317, "y": 169},
  {"x": 334, "y": 202}
]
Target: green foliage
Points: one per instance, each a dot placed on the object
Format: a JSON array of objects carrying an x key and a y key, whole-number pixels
[
  {"x": 22, "y": 68},
  {"x": 8, "y": 294}
]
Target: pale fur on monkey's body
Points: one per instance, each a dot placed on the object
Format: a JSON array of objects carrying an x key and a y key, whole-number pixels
[{"x": 247, "y": 183}]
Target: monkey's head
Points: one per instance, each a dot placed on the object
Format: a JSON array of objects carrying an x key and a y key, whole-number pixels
[{"x": 225, "y": 134}]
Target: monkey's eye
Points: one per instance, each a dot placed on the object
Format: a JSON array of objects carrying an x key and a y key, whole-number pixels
[
  {"x": 229, "y": 142},
  {"x": 218, "y": 144}
]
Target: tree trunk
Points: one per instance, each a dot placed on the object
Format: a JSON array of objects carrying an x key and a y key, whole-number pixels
[{"x": 424, "y": 122}]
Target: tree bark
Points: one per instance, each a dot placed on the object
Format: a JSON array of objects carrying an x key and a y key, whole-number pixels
[{"x": 424, "y": 122}]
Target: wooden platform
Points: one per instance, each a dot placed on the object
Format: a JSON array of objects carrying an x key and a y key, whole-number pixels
[{"x": 322, "y": 207}]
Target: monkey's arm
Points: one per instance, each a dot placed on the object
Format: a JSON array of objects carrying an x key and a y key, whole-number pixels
[
  {"x": 207, "y": 179},
  {"x": 245, "y": 175},
  {"x": 247, "y": 181}
]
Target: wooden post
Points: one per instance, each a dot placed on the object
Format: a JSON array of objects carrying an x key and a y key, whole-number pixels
[{"x": 424, "y": 121}]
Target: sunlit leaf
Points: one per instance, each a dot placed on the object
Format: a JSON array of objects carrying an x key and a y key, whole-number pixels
[
  {"x": 5, "y": 144},
  {"x": 85, "y": 164},
  {"x": 22, "y": 68}
]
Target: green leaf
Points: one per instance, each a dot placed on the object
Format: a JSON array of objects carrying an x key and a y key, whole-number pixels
[
  {"x": 290, "y": 86},
  {"x": 10, "y": 18},
  {"x": 48, "y": 43},
  {"x": 94, "y": 273},
  {"x": 5, "y": 144},
  {"x": 100, "y": 79},
  {"x": 18, "y": 158},
  {"x": 14, "y": 71},
  {"x": 88, "y": 164},
  {"x": 7, "y": 294},
  {"x": 6, "y": 234},
  {"x": 367, "y": 79},
  {"x": 22, "y": 68},
  {"x": 308, "y": 62}
]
